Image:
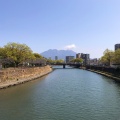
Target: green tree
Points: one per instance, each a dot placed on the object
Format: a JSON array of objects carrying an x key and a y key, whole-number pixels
[
  {"x": 49, "y": 61},
  {"x": 2, "y": 53},
  {"x": 116, "y": 58},
  {"x": 59, "y": 61},
  {"x": 18, "y": 52},
  {"x": 37, "y": 55},
  {"x": 77, "y": 60},
  {"x": 107, "y": 57}
]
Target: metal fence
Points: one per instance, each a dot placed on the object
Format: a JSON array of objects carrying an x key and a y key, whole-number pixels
[{"x": 110, "y": 70}]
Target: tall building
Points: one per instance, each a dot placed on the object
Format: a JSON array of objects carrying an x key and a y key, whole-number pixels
[
  {"x": 86, "y": 58},
  {"x": 69, "y": 58},
  {"x": 56, "y": 57},
  {"x": 78, "y": 55},
  {"x": 117, "y": 46}
]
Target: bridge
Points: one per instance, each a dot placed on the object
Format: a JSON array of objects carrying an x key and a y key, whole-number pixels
[{"x": 77, "y": 65}]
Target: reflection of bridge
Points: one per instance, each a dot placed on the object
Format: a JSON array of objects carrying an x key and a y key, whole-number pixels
[{"x": 70, "y": 64}]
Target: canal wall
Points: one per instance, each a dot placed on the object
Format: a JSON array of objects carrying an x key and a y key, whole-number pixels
[
  {"x": 106, "y": 71},
  {"x": 110, "y": 70},
  {"x": 13, "y": 76}
]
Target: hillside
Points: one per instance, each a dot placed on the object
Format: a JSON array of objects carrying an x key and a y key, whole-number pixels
[{"x": 60, "y": 53}]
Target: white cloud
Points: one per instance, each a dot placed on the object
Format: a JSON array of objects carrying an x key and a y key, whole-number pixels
[{"x": 72, "y": 46}]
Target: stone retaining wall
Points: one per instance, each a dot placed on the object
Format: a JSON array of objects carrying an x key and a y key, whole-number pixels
[{"x": 17, "y": 74}]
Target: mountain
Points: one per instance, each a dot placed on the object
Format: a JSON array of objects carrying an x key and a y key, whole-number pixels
[{"x": 60, "y": 53}]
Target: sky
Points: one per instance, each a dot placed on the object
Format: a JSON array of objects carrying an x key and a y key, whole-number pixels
[{"x": 84, "y": 26}]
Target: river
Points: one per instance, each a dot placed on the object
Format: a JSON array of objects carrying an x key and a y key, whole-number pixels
[{"x": 64, "y": 94}]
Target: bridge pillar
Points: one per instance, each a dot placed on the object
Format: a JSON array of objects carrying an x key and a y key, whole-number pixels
[{"x": 63, "y": 65}]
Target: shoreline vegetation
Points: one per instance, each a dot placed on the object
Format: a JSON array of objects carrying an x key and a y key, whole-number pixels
[{"x": 27, "y": 76}]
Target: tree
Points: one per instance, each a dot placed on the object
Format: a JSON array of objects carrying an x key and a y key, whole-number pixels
[
  {"x": 116, "y": 58},
  {"x": 49, "y": 61},
  {"x": 37, "y": 55},
  {"x": 77, "y": 60},
  {"x": 39, "y": 60},
  {"x": 2, "y": 52},
  {"x": 59, "y": 61},
  {"x": 107, "y": 57},
  {"x": 18, "y": 52}
]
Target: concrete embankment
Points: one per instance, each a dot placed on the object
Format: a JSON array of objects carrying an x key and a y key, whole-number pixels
[
  {"x": 105, "y": 74},
  {"x": 14, "y": 76}
]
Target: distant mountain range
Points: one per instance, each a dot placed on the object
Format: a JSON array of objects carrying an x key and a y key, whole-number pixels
[{"x": 60, "y": 53}]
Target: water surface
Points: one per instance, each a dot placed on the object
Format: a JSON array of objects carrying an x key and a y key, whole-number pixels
[{"x": 64, "y": 94}]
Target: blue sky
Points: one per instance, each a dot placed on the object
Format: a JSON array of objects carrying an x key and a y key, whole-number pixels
[{"x": 85, "y": 26}]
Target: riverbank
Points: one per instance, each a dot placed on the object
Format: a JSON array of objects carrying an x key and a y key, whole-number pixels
[
  {"x": 15, "y": 76},
  {"x": 105, "y": 74}
]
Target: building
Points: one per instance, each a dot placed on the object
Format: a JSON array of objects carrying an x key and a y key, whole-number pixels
[
  {"x": 94, "y": 61},
  {"x": 69, "y": 58},
  {"x": 117, "y": 46},
  {"x": 78, "y": 55},
  {"x": 56, "y": 57},
  {"x": 86, "y": 58}
]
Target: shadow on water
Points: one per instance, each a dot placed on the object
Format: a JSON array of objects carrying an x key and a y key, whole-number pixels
[{"x": 111, "y": 81}]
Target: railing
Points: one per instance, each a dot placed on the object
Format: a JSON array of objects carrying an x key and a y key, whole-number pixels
[{"x": 110, "y": 70}]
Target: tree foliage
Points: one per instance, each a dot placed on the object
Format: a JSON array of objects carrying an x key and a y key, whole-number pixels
[
  {"x": 116, "y": 58},
  {"x": 110, "y": 57},
  {"x": 37, "y": 55},
  {"x": 59, "y": 61},
  {"x": 77, "y": 60},
  {"x": 107, "y": 57},
  {"x": 49, "y": 61},
  {"x": 55, "y": 61},
  {"x": 18, "y": 53},
  {"x": 2, "y": 52}
]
